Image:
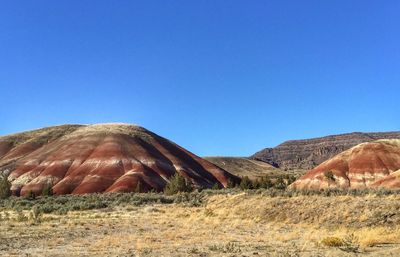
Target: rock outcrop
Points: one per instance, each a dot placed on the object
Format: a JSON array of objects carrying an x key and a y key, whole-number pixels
[
  {"x": 78, "y": 159},
  {"x": 308, "y": 153},
  {"x": 367, "y": 165}
]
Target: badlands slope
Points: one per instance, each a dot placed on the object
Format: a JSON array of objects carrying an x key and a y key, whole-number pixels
[
  {"x": 367, "y": 165},
  {"x": 308, "y": 153},
  {"x": 78, "y": 159}
]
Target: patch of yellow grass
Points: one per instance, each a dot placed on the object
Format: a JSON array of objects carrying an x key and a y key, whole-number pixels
[
  {"x": 362, "y": 237},
  {"x": 332, "y": 241},
  {"x": 368, "y": 237}
]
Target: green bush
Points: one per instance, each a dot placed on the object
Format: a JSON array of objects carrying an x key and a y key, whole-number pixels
[
  {"x": 216, "y": 186},
  {"x": 47, "y": 190},
  {"x": 246, "y": 183},
  {"x": 264, "y": 182},
  {"x": 280, "y": 183},
  {"x": 178, "y": 183},
  {"x": 30, "y": 196},
  {"x": 231, "y": 184},
  {"x": 36, "y": 215},
  {"x": 290, "y": 179},
  {"x": 5, "y": 187},
  {"x": 329, "y": 175}
]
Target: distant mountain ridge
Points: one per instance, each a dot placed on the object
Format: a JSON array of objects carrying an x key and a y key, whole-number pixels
[{"x": 308, "y": 153}]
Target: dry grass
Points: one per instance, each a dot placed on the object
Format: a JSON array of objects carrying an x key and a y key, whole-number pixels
[
  {"x": 245, "y": 167},
  {"x": 236, "y": 224},
  {"x": 251, "y": 168},
  {"x": 368, "y": 237}
]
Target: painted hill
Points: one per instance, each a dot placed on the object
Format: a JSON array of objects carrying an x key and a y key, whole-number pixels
[
  {"x": 240, "y": 166},
  {"x": 372, "y": 164},
  {"x": 308, "y": 153},
  {"x": 79, "y": 159}
]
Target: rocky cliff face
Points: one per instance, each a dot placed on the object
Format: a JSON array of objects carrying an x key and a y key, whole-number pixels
[
  {"x": 76, "y": 159},
  {"x": 308, "y": 153},
  {"x": 367, "y": 165}
]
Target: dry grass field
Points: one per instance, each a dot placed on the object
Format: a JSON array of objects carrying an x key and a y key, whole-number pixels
[{"x": 221, "y": 224}]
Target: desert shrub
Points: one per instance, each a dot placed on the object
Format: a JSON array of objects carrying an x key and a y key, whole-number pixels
[
  {"x": 61, "y": 211},
  {"x": 383, "y": 192},
  {"x": 65, "y": 203},
  {"x": 21, "y": 216},
  {"x": 332, "y": 241},
  {"x": 350, "y": 244},
  {"x": 246, "y": 183},
  {"x": 178, "y": 183},
  {"x": 230, "y": 247},
  {"x": 5, "y": 187},
  {"x": 47, "y": 190},
  {"x": 347, "y": 244},
  {"x": 280, "y": 183},
  {"x": 36, "y": 215},
  {"x": 216, "y": 186},
  {"x": 329, "y": 175},
  {"x": 290, "y": 179},
  {"x": 264, "y": 182},
  {"x": 30, "y": 196},
  {"x": 47, "y": 208},
  {"x": 231, "y": 183}
]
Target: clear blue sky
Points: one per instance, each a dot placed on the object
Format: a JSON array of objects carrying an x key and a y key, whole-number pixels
[{"x": 217, "y": 77}]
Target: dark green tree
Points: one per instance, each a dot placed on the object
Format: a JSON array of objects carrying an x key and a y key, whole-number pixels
[
  {"x": 178, "y": 183},
  {"x": 280, "y": 183},
  {"x": 264, "y": 182},
  {"x": 30, "y": 196},
  {"x": 246, "y": 183},
  {"x": 47, "y": 190},
  {"x": 231, "y": 183},
  {"x": 216, "y": 186},
  {"x": 5, "y": 187}
]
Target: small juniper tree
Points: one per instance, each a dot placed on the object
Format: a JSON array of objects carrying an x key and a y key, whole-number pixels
[
  {"x": 263, "y": 182},
  {"x": 290, "y": 179},
  {"x": 216, "y": 186},
  {"x": 246, "y": 183},
  {"x": 178, "y": 183},
  {"x": 5, "y": 187},
  {"x": 329, "y": 175},
  {"x": 280, "y": 183},
  {"x": 30, "y": 196},
  {"x": 231, "y": 183},
  {"x": 138, "y": 186},
  {"x": 47, "y": 190}
]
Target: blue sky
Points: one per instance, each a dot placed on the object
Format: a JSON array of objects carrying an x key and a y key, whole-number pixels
[{"x": 217, "y": 77}]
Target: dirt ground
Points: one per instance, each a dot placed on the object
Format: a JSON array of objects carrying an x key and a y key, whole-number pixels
[{"x": 224, "y": 225}]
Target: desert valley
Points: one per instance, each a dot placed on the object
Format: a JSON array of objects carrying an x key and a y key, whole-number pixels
[
  {"x": 121, "y": 190},
  {"x": 199, "y": 128}
]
